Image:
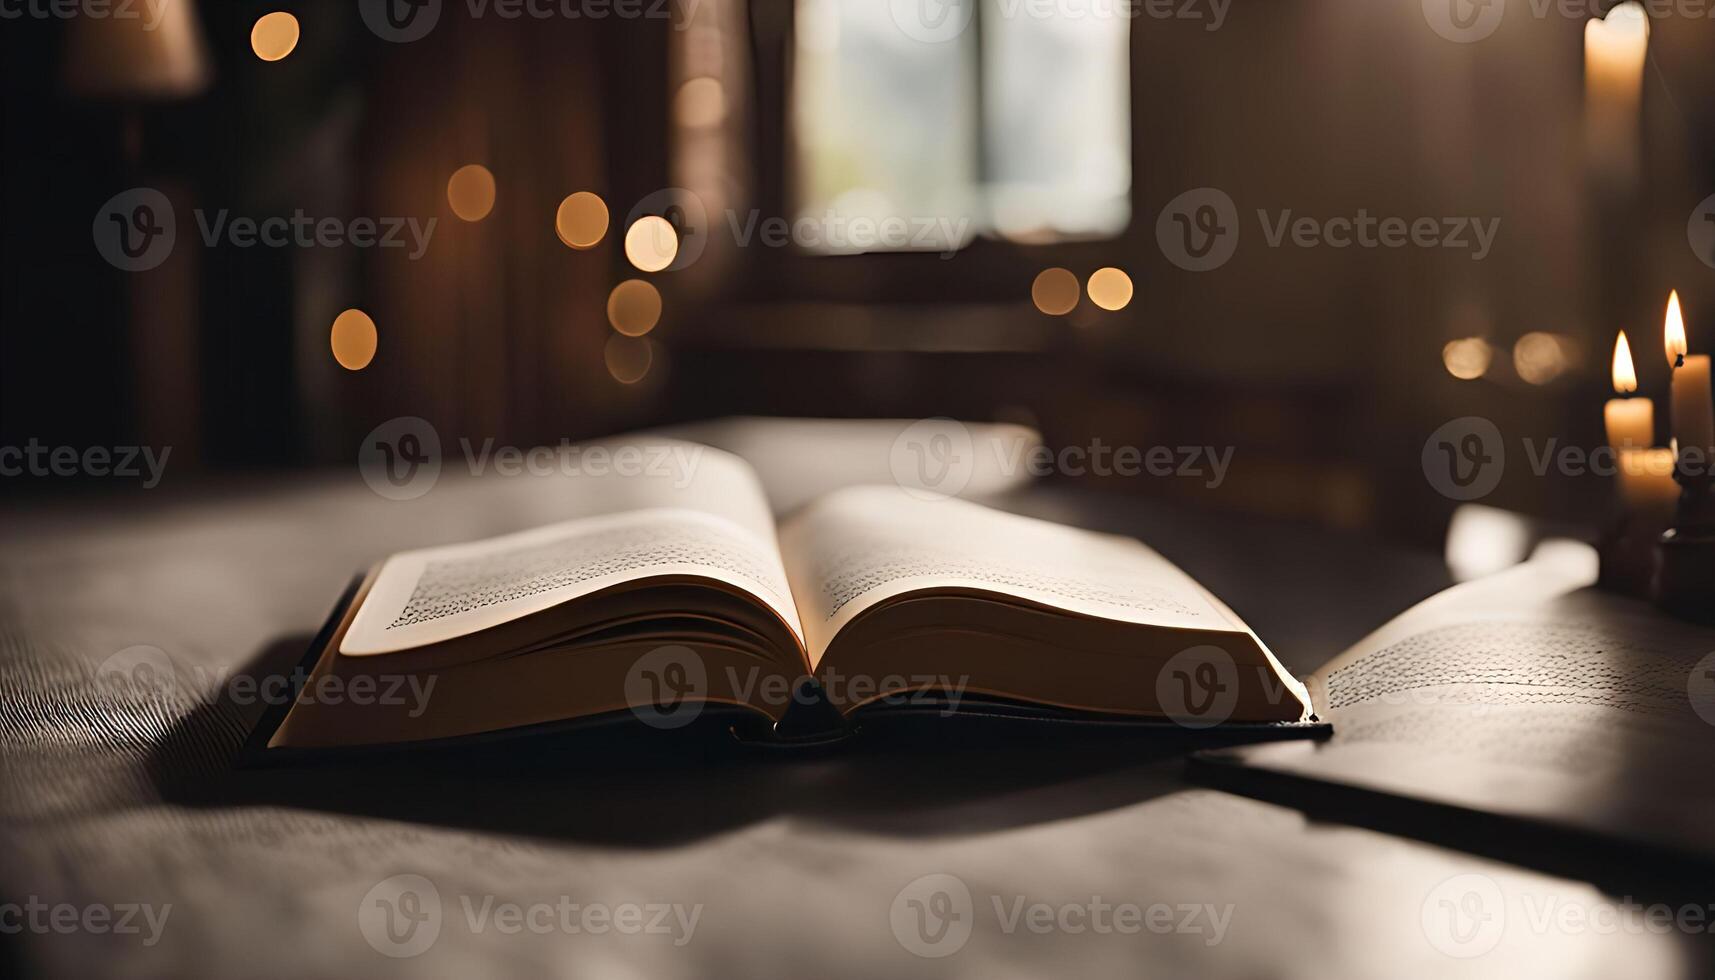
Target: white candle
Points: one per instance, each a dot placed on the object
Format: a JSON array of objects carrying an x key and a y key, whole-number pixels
[
  {"x": 1693, "y": 406},
  {"x": 1613, "y": 79},
  {"x": 1646, "y": 479},
  {"x": 1614, "y": 54},
  {"x": 1630, "y": 421},
  {"x": 1693, "y": 411}
]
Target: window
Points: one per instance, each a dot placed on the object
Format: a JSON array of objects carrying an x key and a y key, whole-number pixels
[{"x": 955, "y": 118}]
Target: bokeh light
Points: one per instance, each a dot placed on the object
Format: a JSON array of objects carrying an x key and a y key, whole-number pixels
[
  {"x": 581, "y": 220},
  {"x": 1539, "y": 357},
  {"x": 1055, "y": 291},
  {"x": 651, "y": 243},
  {"x": 274, "y": 35},
  {"x": 1110, "y": 288},
  {"x": 634, "y": 307},
  {"x": 1467, "y": 358},
  {"x": 470, "y": 192},
  {"x": 628, "y": 358},
  {"x": 353, "y": 340}
]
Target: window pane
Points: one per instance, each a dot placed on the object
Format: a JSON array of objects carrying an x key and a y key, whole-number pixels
[
  {"x": 1056, "y": 114},
  {"x": 885, "y": 126},
  {"x": 889, "y": 122}
]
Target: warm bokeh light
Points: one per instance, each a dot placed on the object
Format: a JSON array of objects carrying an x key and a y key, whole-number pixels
[
  {"x": 1539, "y": 357},
  {"x": 353, "y": 340},
  {"x": 274, "y": 35},
  {"x": 628, "y": 358},
  {"x": 700, "y": 104},
  {"x": 1110, "y": 288},
  {"x": 1467, "y": 358},
  {"x": 634, "y": 307},
  {"x": 470, "y": 191},
  {"x": 1615, "y": 47},
  {"x": 581, "y": 220},
  {"x": 1485, "y": 540},
  {"x": 1055, "y": 291},
  {"x": 1673, "y": 330},
  {"x": 1625, "y": 374},
  {"x": 651, "y": 243}
]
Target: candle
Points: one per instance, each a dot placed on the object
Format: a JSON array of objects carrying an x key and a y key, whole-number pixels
[
  {"x": 1693, "y": 411},
  {"x": 1631, "y": 421},
  {"x": 1693, "y": 407},
  {"x": 1646, "y": 479},
  {"x": 1613, "y": 78},
  {"x": 1614, "y": 54}
]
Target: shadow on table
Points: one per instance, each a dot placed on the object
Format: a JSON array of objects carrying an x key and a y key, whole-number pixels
[
  {"x": 1625, "y": 868},
  {"x": 631, "y": 785},
  {"x": 637, "y": 787}
]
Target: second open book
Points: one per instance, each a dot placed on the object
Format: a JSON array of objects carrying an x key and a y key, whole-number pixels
[{"x": 684, "y": 593}]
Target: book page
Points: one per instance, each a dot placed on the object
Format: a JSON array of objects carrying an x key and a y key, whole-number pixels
[
  {"x": 1527, "y": 694},
  {"x": 858, "y": 547},
  {"x": 1530, "y": 669},
  {"x": 711, "y": 522}
]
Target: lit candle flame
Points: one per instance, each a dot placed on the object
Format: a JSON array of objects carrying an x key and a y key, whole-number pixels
[
  {"x": 1673, "y": 332},
  {"x": 1625, "y": 375}
]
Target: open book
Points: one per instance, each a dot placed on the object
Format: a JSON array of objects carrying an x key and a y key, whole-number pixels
[
  {"x": 682, "y": 595},
  {"x": 1525, "y": 697}
]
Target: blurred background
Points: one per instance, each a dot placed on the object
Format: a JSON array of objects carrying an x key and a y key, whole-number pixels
[{"x": 859, "y": 205}]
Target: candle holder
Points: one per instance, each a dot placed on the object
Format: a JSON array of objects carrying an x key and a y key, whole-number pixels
[
  {"x": 1627, "y": 546},
  {"x": 1685, "y": 555}
]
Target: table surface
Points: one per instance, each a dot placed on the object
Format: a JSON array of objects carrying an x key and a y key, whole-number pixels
[{"x": 792, "y": 867}]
